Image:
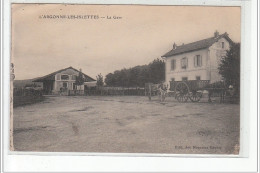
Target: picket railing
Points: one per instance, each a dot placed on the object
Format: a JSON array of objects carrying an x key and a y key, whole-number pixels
[{"x": 116, "y": 91}]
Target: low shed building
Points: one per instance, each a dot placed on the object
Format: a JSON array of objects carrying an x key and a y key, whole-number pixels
[{"x": 63, "y": 80}]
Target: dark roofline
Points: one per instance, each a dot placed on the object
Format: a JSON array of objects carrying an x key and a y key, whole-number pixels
[
  {"x": 225, "y": 35},
  {"x": 214, "y": 39},
  {"x": 184, "y": 52},
  {"x": 40, "y": 79}
]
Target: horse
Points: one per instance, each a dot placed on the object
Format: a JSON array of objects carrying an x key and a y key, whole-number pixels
[
  {"x": 162, "y": 88},
  {"x": 156, "y": 89}
]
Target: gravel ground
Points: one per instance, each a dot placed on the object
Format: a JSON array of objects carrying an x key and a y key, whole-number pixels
[{"x": 128, "y": 124}]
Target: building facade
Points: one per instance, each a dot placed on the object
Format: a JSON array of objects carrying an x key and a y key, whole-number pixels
[
  {"x": 63, "y": 80},
  {"x": 198, "y": 60}
]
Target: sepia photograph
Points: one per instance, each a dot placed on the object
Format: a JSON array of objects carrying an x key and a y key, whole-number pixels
[{"x": 155, "y": 79}]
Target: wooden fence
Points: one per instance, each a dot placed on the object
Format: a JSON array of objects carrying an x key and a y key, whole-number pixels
[
  {"x": 116, "y": 91},
  {"x": 75, "y": 92}
]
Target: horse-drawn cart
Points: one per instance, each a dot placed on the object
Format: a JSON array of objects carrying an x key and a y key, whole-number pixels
[{"x": 192, "y": 90}]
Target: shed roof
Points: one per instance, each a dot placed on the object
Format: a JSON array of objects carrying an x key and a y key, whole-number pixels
[
  {"x": 201, "y": 44},
  {"x": 51, "y": 76}
]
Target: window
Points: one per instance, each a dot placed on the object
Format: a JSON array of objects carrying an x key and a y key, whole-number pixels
[
  {"x": 172, "y": 79},
  {"x": 58, "y": 76},
  {"x": 73, "y": 77},
  {"x": 197, "y": 77},
  {"x": 222, "y": 45},
  {"x": 173, "y": 64},
  {"x": 74, "y": 86},
  {"x": 184, "y": 63},
  {"x": 184, "y": 78},
  {"x": 197, "y": 61},
  {"x": 64, "y": 77},
  {"x": 65, "y": 85}
]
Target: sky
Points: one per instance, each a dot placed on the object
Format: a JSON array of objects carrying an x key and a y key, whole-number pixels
[{"x": 86, "y": 38}]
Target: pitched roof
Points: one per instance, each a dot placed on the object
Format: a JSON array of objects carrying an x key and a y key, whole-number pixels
[
  {"x": 51, "y": 76},
  {"x": 201, "y": 44}
]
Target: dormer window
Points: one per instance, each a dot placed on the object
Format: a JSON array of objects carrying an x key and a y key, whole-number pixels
[
  {"x": 184, "y": 63},
  {"x": 222, "y": 45}
]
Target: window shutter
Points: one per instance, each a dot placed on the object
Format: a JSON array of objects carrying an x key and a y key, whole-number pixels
[
  {"x": 186, "y": 62},
  {"x": 174, "y": 64},
  {"x": 200, "y": 60},
  {"x": 194, "y": 61}
]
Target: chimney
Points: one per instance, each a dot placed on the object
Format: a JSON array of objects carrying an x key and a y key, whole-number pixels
[
  {"x": 216, "y": 33},
  {"x": 174, "y": 45}
]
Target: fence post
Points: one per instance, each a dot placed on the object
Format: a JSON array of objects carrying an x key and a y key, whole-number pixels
[{"x": 150, "y": 93}]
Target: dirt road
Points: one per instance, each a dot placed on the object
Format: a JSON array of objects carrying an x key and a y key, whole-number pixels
[{"x": 128, "y": 124}]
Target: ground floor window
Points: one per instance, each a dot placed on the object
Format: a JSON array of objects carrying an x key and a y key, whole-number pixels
[
  {"x": 197, "y": 77},
  {"x": 184, "y": 78},
  {"x": 65, "y": 85},
  {"x": 172, "y": 79},
  {"x": 74, "y": 86}
]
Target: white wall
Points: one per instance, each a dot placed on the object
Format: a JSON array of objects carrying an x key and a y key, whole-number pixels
[
  {"x": 210, "y": 61},
  {"x": 191, "y": 72},
  {"x": 216, "y": 53},
  {"x": 59, "y": 83}
]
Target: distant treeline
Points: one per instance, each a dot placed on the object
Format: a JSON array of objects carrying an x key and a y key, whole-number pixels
[
  {"x": 26, "y": 83},
  {"x": 137, "y": 76}
]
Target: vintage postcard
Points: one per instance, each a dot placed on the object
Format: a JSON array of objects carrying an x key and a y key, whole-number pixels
[{"x": 125, "y": 79}]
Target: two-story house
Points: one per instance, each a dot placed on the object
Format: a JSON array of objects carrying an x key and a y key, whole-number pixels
[
  {"x": 198, "y": 60},
  {"x": 64, "y": 79}
]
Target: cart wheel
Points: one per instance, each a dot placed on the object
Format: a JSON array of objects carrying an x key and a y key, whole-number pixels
[
  {"x": 182, "y": 92},
  {"x": 182, "y": 98},
  {"x": 195, "y": 96}
]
